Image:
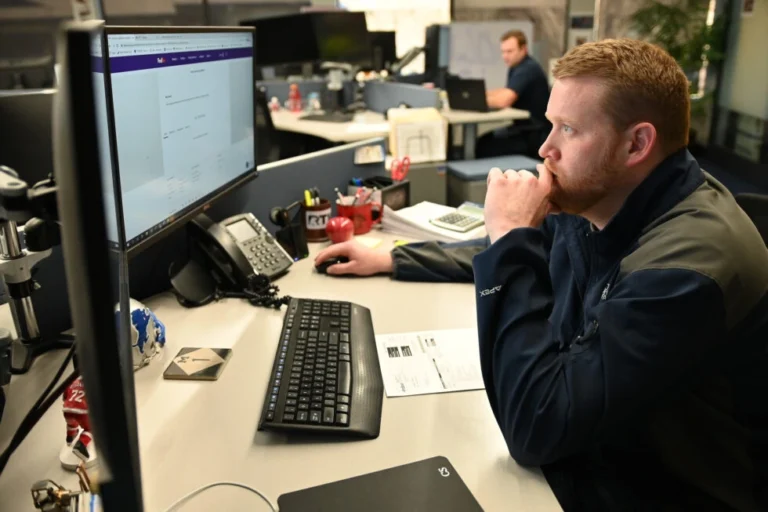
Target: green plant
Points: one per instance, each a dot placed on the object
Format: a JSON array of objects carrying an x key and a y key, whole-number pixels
[{"x": 680, "y": 27}]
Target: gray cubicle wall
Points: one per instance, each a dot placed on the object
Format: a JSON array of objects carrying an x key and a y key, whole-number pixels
[
  {"x": 280, "y": 88},
  {"x": 283, "y": 182},
  {"x": 279, "y": 184},
  {"x": 381, "y": 96}
]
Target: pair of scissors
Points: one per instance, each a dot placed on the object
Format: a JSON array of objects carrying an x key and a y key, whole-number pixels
[{"x": 400, "y": 168}]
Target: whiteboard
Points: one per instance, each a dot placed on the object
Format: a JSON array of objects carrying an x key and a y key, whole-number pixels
[{"x": 475, "y": 49}]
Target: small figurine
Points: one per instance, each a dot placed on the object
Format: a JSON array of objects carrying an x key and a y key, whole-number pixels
[{"x": 79, "y": 444}]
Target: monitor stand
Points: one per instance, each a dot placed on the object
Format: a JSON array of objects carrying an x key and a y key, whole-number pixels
[{"x": 16, "y": 269}]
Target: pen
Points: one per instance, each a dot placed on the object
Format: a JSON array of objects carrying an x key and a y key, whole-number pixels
[
  {"x": 341, "y": 196},
  {"x": 308, "y": 198}
]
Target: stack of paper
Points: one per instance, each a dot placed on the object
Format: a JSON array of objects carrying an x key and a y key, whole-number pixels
[{"x": 413, "y": 222}]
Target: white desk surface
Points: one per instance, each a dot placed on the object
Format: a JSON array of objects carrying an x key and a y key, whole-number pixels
[
  {"x": 194, "y": 433},
  {"x": 372, "y": 124},
  {"x": 470, "y": 117}
]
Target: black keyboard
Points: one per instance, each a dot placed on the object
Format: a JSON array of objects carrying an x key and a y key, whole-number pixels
[
  {"x": 326, "y": 376},
  {"x": 331, "y": 117}
]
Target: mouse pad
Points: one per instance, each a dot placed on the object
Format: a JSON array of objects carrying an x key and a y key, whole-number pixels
[{"x": 431, "y": 484}]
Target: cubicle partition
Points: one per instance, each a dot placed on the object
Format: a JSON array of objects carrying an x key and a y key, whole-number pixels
[
  {"x": 283, "y": 182},
  {"x": 381, "y": 96},
  {"x": 279, "y": 89}
]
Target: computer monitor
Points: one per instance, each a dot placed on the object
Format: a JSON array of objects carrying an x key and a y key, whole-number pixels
[
  {"x": 383, "y": 49},
  {"x": 287, "y": 39},
  {"x": 181, "y": 103},
  {"x": 95, "y": 272},
  {"x": 343, "y": 37},
  {"x": 25, "y": 125}
]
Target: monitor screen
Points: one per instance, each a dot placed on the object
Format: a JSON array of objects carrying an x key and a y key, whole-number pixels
[
  {"x": 285, "y": 39},
  {"x": 25, "y": 124},
  {"x": 343, "y": 37},
  {"x": 383, "y": 49},
  {"x": 182, "y": 104}
]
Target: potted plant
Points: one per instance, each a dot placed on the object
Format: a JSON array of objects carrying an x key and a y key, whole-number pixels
[{"x": 680, "y": 27}]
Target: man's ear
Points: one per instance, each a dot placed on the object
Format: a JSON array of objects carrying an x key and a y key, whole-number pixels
[{"x": 641, "y": 141}]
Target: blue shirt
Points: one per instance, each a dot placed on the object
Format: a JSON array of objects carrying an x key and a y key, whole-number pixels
[{"x": 530, "y": 83}]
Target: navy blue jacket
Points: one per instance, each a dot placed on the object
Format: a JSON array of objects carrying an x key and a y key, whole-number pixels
[{"x": 631, "y": 363}]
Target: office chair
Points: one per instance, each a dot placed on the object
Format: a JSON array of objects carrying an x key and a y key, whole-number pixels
[
  {"x": 268, "y": 147},
  {"x": 756, "y": 207}
]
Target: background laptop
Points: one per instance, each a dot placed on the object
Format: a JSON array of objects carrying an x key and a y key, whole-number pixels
[{"x": 467, "y": 94}]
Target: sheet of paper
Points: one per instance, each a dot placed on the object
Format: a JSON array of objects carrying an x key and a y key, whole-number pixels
[
  {"x": 422, "y": 141},
  {"x": 419, "y": 363}
]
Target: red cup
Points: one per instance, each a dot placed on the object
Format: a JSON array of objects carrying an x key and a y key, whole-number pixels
[
  {"x": 340, "y": 229},
  {"x": 362, "y": 215}
]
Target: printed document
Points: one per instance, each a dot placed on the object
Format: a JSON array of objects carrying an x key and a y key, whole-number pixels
[{"x": 418, "y": 363}]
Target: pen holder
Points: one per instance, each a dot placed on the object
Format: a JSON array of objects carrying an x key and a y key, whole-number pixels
[
  {"x": 363, "y": 216},
  {"x": 394, "y": 194},
  {"x": 315, "y": 219}
]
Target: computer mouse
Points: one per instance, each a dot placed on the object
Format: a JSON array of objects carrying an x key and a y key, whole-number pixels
[{"x": 322, "y": 267}]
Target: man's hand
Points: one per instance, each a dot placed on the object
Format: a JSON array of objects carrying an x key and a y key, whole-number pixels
[
  {"x": 516, "y": 200},
  {"x": 363, "y": 261}
]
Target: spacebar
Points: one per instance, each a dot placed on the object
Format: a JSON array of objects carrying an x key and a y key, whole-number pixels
[{"x": 344, "y": 380}]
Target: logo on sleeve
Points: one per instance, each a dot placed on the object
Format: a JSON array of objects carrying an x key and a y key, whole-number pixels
[{"x": 490, "y": 291}]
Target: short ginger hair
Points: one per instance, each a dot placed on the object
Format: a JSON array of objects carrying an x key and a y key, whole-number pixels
[{"x": 644, "y": 83}]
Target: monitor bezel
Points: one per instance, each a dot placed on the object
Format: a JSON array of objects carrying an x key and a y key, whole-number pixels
[{"x": 205, "y": 202}]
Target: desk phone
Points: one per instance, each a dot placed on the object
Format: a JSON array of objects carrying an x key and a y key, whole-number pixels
[{"x": 260, "y": 249}]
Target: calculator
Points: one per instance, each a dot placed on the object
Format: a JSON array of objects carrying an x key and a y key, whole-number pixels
[{"x": 457, "y": 221}]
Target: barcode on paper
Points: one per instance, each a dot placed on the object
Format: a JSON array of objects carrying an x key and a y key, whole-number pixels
[
  {"x": 406, "y": 351},
  {"x": 393, "y": 351}
]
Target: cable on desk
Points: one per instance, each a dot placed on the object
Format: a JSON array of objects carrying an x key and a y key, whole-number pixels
[
  {"x": 39, "y": 408},
  {"x": 194, "y": 493}
]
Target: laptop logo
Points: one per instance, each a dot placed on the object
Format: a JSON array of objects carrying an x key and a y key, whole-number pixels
[
  {"x": 444, "y": 472},
  {"x": 465, "y": 94}
]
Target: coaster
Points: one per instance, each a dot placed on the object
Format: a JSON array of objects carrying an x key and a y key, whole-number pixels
[{"x": 193, "y": 363}]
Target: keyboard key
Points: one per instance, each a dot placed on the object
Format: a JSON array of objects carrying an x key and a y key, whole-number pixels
[
  {"x": 342, "y": 407},
  {"x": 342, "y": 399},
  {"x": 329, "y": 403},
  {"x": 328, "y": 415},
  {"x": 303, "y": 407},
  {"x": 289, "y": 410},
  {"x": 270, "y": 416},
  {"x": 329, "y": 396},
  {"x": 288, "y": 417},
  {"x": 344, "y": 348},
  {"x": 344, "y": 381},
  {"x": 333, "y": 338},
  {"x": 291, "y": 401},
  {"x": 302, "y": 416},
  {"x": 316, "y": 406},
  {"x": 342, "y": 419},
  {"x": 344, "y": 337},
  {"x": 314, "y": 416}
]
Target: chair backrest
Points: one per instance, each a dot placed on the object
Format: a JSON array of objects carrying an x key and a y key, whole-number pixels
[
  {"x": 756, "y": 207},
  {"x": 267, "y": 146}
]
